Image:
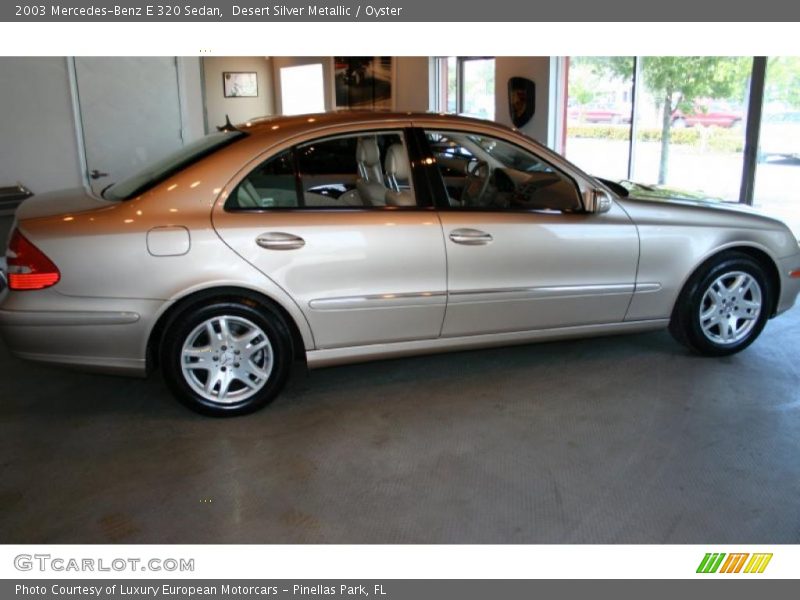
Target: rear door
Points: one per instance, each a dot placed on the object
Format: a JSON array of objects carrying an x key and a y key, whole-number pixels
[{"x": 362, "y": 274}]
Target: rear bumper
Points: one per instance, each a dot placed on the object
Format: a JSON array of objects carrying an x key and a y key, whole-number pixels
[{"x": 98, "y": 334}]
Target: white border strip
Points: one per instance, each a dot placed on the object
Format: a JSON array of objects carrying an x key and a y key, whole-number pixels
[
  {"x": 403, "y": 561},
  {"x": 396, "y": 39}
]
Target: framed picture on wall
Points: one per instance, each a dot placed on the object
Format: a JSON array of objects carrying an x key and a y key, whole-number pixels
[
  {"x": 239, "y": 85},
  {"x": 364, "y": 81}
]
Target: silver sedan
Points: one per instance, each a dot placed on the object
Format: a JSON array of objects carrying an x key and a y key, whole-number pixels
[{"x": 348, "y": 237}]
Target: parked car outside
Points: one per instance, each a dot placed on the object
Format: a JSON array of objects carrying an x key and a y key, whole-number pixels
[
  {"x": 601, "y": 113},
  {"x": 344, "y": 237},
  {"x": 780, "y": 136},
  {"x": 707, "y": 113}
]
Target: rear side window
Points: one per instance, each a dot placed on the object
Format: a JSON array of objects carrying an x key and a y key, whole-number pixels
[
  {"x": 270, "y": 185},
  {"x": 165, "y": 168},
  {"x": 370, "y": 169}
]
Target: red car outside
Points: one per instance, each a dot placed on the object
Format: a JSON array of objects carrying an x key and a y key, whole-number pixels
[{"x": 708, "y": 113}]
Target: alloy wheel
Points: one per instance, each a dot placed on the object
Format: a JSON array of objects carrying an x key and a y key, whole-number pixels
[
  {"x": 730, "y": 308},
  {"x": 227, "y": 359}
]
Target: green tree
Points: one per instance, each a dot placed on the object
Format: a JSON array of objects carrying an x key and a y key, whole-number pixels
[
  {"x": 783, "y": 73},
  {"x": 676, "y": 82}
]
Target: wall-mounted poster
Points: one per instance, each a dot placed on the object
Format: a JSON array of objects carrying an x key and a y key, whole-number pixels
[
  {"x": 363, "y": 81},
  {"x": 239, "y": 85}
]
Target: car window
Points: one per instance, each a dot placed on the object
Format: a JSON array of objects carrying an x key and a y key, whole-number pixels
[
  {"x": 168, "y": 166},
  {"x": 368, "y": 169},
  {"x": 483, "y": 172},
  {"x": 272, "y": 184}
]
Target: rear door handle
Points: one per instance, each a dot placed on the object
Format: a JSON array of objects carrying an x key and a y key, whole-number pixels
[
  {"x": 470, "y": 237},
  {"x": 279, "y": 240}
]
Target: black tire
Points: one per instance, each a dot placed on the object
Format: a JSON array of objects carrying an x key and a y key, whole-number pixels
[
  {"x": 240, "y": 313},
  {"x": 685, "y": 324}
]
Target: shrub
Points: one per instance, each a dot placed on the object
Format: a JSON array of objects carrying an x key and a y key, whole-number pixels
[{"x": 711, "y": 138}]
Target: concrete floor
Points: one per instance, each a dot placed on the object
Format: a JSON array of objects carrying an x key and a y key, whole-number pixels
[{"x": 625, "y": 439}]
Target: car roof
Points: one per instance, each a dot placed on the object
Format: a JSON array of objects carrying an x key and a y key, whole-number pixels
[{"x": 343, "y": 117}]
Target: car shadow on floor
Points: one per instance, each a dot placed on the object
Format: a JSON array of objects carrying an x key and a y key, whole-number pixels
[{"x": 59, "y": 392}]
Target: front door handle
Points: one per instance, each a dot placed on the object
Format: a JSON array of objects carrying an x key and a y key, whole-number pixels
[
  {"x": 278, "y": 240},
  {"x": 470, "y": 237}
]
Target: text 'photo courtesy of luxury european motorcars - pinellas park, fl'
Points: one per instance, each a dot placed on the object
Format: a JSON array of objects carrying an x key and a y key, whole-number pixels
[{"x": 353, "y": 236}]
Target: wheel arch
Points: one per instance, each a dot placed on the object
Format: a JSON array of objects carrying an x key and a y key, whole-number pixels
[
  {"x": 223, "y": 292},
  {"x": 754, "y": 252}
]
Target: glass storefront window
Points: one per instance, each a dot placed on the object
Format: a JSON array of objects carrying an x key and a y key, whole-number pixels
[
  {"x": 690, "y": 123},
  {"x": 465, "y": 86},
  {"x": 598, "y": 114},
  {"x": 778, "y": 171}
]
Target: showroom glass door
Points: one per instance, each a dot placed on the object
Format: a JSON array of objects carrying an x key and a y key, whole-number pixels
[
  {"x": 777, "y": 189},
  {"x": 129, "y": 112}
]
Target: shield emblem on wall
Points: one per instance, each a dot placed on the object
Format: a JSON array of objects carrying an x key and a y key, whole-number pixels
[{"x": 521, "y": 100}]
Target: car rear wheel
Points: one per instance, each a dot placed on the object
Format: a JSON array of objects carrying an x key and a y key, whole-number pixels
[
  {"x": 226, "y": 358},
  {"x": 724, "y": 306}
]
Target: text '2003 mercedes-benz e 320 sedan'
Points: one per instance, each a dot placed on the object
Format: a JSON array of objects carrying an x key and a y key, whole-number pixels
[{"x": 346, "y": 237}]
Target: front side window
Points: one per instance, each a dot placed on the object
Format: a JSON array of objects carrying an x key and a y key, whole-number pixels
[
  {"x": 370, "y": 169},
  {"x": 482, "y": 172}
]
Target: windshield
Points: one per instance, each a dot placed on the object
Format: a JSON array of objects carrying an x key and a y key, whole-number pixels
[{"x": 165, "y": 168}]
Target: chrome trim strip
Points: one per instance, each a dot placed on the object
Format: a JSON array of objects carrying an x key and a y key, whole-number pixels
[
  {"x": 43, "y": 318},
  {"x": 647, "y": 287},
  {"x": 379, "y": 301},
  {"x": 328, "y": 357},
  {"x": 532, "y": 293}
]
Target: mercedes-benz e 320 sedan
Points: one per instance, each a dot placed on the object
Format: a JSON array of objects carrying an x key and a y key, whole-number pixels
[{"x": 347, "y": 237}]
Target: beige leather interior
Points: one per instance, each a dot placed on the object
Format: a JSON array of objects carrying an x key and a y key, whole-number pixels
[
  {"x": 370, "y": 183},
  {"x": 397, "y": 170},
  {"x": 247, "y": 196}
]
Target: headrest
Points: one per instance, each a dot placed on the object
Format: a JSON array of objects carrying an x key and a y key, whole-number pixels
[
  {"x": 367, "y": 151},
  {"x": 397, "y": 162}
]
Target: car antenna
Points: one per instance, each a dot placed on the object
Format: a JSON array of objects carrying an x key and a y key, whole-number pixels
[{"x": 228, "y": 125}]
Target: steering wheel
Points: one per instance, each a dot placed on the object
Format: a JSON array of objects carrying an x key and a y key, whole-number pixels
[{"x": 475, "y": 183}]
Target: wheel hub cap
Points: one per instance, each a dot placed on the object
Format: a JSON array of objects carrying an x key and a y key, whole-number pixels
[
  {"x": 730, "y": 308},
  {"x": 227, "y": 359}
]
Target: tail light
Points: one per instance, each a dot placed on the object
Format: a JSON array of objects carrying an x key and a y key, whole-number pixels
[{"x": 28, "y": 267}]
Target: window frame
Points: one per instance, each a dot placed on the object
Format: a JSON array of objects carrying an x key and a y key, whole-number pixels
[{"x": 419, "y": 181}]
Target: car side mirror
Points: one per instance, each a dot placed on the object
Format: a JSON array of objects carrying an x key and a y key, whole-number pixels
[{"x": 596, "y": 201}]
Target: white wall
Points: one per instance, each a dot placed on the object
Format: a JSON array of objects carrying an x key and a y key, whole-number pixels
[
  {"x": 412, "y": 79},
  {"x": 191, "y": 89},
  {"x": 536, "y": 68},
  {"x": 38, "y": 144},
  {"x": 238, "y": 109},
  {"x": 38, "y": 138}
]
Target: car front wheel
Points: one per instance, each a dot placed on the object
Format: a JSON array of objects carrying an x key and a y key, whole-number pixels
[
  {"x": 226, "y": 358},
  {"x": 724, "y": 307}
]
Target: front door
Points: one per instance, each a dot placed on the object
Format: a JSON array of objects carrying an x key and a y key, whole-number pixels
[{"x": 521, "y": 254}]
